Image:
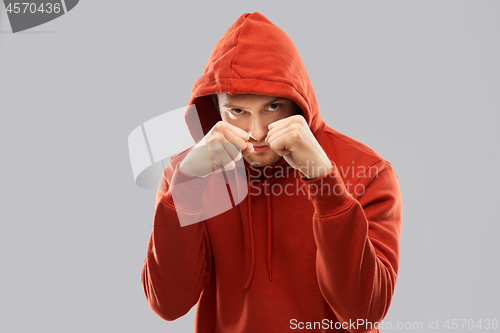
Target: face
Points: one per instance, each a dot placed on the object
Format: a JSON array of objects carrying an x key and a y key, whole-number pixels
[{"x": 253, "y": 114}]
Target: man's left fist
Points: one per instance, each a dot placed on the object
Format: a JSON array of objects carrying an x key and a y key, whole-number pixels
[{"x": 292, "y": 138}]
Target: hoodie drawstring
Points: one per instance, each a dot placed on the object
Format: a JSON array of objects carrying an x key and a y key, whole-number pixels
[
  {"x": 252, "y": 247},
  {"x": 269, "y": 235}
]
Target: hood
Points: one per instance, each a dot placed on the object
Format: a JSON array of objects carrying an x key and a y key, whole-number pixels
[{"x": 253, "y": 56}]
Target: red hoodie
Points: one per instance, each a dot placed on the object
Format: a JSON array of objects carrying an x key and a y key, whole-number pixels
[{"x": 290, "y": 255}]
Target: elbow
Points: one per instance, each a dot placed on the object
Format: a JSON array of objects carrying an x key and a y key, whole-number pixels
[
  {"x": 368, "y": 317},
  {"x": 360, "y": 323},
  {"x": 167, "y": 307},
  {"x": 168, "y": 312}
]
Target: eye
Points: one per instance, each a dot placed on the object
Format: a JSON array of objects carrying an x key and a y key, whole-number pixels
[
  {"x": 273, "y": 107},
  {"x": 236, "y": 111}
]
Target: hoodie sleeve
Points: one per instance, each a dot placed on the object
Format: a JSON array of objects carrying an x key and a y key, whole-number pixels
[
  {"x": 357, "y": 239},
  {"x": 178, "y": 258}
]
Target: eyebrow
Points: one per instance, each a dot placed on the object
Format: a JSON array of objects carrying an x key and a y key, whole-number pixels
[{"x": 231, "y": 106}]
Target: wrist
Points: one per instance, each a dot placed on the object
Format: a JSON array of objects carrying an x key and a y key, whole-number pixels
[
  {"x": 185, "y": 168},
  {"x": 314, "y": 170},
  {"x": 328, "y": 194}
]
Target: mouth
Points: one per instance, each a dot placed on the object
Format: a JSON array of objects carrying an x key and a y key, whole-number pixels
[{"x": 259, "y": 148}]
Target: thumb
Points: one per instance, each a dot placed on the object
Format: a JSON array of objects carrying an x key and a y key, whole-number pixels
[{"x": 248, "y": 150}]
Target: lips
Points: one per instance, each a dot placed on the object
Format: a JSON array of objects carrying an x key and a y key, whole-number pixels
[{"x": 259, "y": 148}]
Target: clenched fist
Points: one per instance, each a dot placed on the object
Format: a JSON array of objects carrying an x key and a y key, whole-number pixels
[
  {"x": 292, "y": 138},
  {"x": 224, "y": 145}
]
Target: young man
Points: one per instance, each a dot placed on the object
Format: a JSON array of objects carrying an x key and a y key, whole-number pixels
[{"x": 315, "y": 242}]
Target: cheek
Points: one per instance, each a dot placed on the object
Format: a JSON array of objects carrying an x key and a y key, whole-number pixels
[
  {"x": 285, "y": 113},
  {"x": 235, "y": 122},
  {"x": 292, "y": 109},
  {"x": 224, "y": 116},
  {"x": 227, "y": 118}
]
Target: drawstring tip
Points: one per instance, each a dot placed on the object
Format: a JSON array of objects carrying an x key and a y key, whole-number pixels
[{"x": 270, "y": 276}]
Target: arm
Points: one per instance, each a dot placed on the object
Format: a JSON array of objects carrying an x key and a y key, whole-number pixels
[
  {"x": 178, "y": 261},
  {"x": 178, "y": 258},
  {"x": 357, "y": 237},
  {"x": 358, "y": 244}
]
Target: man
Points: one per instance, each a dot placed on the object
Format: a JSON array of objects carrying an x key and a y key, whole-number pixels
[{"x": 315, "y": 242}]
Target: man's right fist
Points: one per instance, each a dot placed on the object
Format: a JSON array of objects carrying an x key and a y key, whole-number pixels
[{"x": 223, "y": 145}]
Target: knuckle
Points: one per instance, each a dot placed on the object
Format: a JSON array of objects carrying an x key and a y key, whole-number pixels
[
  {"x": 295, "y": 135},
  {"x": 217, "y": 149},
  {"x": 218, "y": 138},
  {"x": 219, "y": 126},
  {"x": 299, "y": 120}
]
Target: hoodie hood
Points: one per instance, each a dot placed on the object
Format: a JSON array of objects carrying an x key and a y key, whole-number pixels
[{"x": 253, "y": 56}]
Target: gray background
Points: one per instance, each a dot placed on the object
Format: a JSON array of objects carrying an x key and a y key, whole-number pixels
[{"x": 416, "y": 81}]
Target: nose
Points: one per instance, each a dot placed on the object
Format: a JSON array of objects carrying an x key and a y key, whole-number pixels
[{"x": 258, "y": 129}]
